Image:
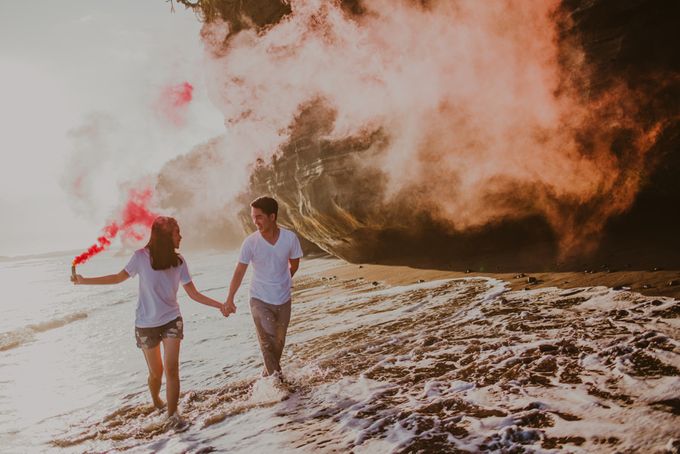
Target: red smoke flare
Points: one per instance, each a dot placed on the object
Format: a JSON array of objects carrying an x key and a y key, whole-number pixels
[
  {"x": 173, "y": 102},
  {"x": 134, "y": 214},
  {"x": 181, "y": 94}
]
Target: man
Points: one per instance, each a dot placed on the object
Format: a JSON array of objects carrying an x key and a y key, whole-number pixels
[{"x": 275, "y": 254}]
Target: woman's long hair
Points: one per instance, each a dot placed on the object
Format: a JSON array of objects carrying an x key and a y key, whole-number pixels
[{"x": 161, "y": 246}]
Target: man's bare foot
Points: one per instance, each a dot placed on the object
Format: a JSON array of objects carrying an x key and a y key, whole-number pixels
[
  {"x": 177, "y": 423},
  {"x": 278, "y": 377}
]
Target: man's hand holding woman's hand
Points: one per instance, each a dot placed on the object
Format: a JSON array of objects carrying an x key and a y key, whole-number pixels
[{"x": 228, "y": 308}]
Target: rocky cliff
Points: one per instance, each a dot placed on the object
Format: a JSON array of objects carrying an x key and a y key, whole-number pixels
[{"x": 339, "y": 204}]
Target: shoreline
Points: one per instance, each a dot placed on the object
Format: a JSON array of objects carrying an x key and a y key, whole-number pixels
[{"x": 648, "y": 283}]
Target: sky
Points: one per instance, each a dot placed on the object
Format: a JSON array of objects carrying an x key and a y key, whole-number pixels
[{"x": 66, "y": 66}]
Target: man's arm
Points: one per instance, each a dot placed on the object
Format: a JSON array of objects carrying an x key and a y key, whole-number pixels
[
  {"x": 294, "y": 265},
  {"x": 236, "y": 280},
  {"x": 101, "y": 280}
]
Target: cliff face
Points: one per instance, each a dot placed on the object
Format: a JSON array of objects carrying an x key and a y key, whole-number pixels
[
  {"x": 636, "y": 41},
  {"x": 337, "y": 202},
  {"x": 331, "y": 198}
]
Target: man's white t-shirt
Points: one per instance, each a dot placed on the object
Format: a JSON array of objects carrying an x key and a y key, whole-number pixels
[
  {"x": 271, "y": 281},
  {"x": 157, "y": 303}
]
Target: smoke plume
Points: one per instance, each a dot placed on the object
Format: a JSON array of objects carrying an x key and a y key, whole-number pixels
[
  {"x": 451, "y": 116},
  {"x": 173, "y": 102},
  {"x": 133, "y": 223},
  {"x": 484, "y": 113}
]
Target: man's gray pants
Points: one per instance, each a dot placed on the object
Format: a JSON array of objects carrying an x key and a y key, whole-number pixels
[{"x": 271, "y": 323}]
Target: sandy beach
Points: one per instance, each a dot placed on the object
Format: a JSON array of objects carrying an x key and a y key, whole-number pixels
[
  {"x": 548, "y": 362},
  {"x": 378, "y": 359},
  {"x": 646, "y": 282}
]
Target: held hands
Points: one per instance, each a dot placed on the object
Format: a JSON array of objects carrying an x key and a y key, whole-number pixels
[{"x": 228, "y": 308}]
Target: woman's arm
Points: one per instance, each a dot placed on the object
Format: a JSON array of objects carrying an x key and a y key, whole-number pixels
[
  {"x": 100, "y": 280},
  {"x": 199, "y": 297}
]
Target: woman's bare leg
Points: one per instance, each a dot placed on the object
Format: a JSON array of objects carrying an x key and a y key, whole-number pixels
[
  {"x": 155, "y": 365},
  {"x": 171, "y": 360}
]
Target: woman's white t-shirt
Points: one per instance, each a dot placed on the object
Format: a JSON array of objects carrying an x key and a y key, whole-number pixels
[
  {"x": 157, "y": 303},
  {"x": 271, "y": 281}
]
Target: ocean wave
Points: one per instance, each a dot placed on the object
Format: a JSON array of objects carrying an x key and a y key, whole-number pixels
[
  {"x": 21, "y": 336},
  {"x": 131, "y": 425},
  {"x": 460, "y": 365}
]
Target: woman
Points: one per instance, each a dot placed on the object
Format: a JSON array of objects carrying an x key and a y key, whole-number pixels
[{"x": 158, "y": 318}]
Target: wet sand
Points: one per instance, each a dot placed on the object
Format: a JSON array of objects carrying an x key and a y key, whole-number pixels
[
  {"x": 645, "y": 282},
  {"x": 404, "y": 360}
]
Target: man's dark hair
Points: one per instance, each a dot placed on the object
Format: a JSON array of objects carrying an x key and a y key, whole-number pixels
[{"x": 267, "y": 205}]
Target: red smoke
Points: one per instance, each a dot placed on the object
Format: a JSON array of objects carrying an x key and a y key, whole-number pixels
[
  {"x": 135, "y": 214},
  {"x": 181, "y": 94},
  {"x": 173, "y": 102}
]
